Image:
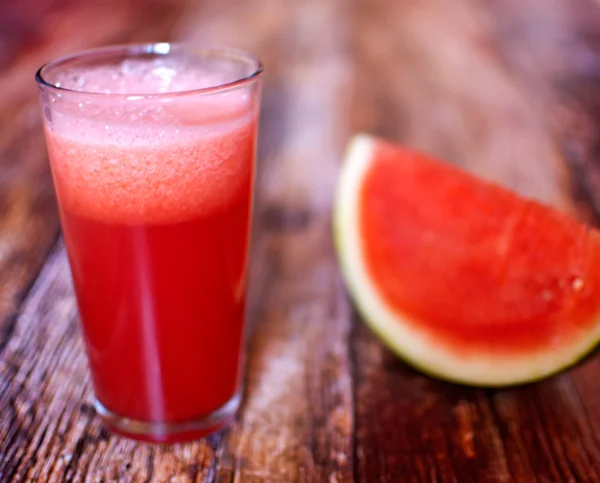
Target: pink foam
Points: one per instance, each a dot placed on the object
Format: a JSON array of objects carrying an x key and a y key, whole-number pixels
[
  {"x": 152, "y": 181},
  {"x": 130, "y": 159}
]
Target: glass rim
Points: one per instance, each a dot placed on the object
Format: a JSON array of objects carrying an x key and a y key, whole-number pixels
[{"x": 157, "y": 48}]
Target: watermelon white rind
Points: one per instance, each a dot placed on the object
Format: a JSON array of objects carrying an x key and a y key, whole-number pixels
[{"x": 418, "y": 347}]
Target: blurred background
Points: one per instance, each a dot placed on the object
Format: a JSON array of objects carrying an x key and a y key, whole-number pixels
[
  {"x": 506, "y": 88},
  {"x": 502, "y": 87}
]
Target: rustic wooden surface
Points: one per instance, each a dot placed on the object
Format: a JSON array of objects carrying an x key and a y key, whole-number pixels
[{"x": 508, "y": 89}]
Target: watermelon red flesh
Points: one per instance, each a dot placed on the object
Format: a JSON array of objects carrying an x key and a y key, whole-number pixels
[{"x": 472, "y": 264}]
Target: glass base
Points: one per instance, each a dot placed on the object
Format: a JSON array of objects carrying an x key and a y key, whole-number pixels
[{"x": 164, "y": 432}]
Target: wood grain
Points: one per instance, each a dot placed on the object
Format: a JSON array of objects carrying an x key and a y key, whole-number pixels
[{"x": 505, "y": 89}]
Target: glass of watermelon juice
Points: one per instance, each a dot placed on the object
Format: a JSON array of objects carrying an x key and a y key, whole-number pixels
[{"x": 152, "y": 151}]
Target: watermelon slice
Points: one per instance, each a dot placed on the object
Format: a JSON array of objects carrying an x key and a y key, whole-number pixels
[{"x": 462, "y": 278}]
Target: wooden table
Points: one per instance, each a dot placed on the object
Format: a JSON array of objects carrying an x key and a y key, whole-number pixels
[{"x": 510, "y": 89}]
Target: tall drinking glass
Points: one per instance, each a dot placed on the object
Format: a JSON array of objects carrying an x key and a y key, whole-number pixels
[{"x": 152, "y": 151}]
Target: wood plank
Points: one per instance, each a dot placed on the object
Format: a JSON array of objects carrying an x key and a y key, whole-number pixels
[
  {"x": 297, "y": 418},
  {"x": 558, "y": 66},
  {"x": 431, "y": 75},
  {"x": 469, "y": 81},
  {"x": 28, "y": 218}
]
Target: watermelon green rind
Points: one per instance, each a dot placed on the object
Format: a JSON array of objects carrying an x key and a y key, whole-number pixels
[{"x": 400, "y": 334}]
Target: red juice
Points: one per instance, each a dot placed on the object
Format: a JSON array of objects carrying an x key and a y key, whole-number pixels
[
  {"x": 163, "y": 308},
  {"x": 156, "y": 221}
]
